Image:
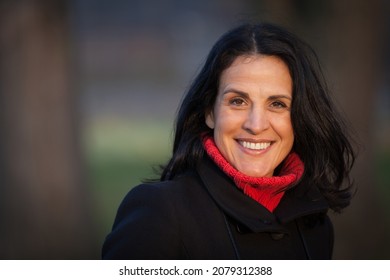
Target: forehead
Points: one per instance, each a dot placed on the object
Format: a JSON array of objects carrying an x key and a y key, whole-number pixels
[{"x": 257, "y": 70}]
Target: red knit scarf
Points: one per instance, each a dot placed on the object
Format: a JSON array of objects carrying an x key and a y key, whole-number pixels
[{"x": 268, "y": 191}]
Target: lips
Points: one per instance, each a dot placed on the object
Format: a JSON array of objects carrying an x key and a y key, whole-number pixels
[{"x": 258, "y": 146}]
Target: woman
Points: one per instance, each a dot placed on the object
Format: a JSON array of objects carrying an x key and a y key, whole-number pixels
[{"x": 259, "y": 157}]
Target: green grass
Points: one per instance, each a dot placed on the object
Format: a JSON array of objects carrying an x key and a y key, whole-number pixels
[{"x": 120, "y": 155}]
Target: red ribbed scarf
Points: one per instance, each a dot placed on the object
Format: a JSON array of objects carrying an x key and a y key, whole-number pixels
[{"x": 268, "y": 191}]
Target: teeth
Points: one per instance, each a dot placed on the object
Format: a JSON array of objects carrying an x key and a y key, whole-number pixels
[{"x": 255, "y": 146}]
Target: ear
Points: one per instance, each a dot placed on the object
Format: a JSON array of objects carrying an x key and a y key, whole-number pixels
[{"x": 210, "y": 120}]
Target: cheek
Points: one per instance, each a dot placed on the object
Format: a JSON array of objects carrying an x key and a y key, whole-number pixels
[
  {"x": 228, "y": 119},
  {"x": 219, "y": 120},
  {"x": 284, "y": 128},
  {"x": 288, "y": 135},
  {"x": 227, "y": 125}
]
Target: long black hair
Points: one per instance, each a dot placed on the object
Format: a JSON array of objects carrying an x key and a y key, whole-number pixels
[{"x": 320, "y": 135}]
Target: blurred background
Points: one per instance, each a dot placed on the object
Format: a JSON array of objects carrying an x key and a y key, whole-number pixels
[{"x": 89, "y": 90}]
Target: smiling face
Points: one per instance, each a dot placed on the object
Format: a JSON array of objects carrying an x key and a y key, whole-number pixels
[{"x": 251, "y": 115}]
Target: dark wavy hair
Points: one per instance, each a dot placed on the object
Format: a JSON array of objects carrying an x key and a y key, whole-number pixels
[{"x": 321, "y": 138}]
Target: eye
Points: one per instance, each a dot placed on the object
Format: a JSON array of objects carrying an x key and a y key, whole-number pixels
[
  {"x": 237, "y": 101},
  {"x": 278, "y": 104}
]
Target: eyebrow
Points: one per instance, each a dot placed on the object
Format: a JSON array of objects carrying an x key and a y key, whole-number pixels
[
  {"x": 239, "y": 92},
  {"x": 273, "y": 97},
  {"x": 244, "y": 94}
]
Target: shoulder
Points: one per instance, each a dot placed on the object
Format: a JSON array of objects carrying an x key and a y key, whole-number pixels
[
  {"x": 148, "y": 199},
  {"x": 144, "y": 223},
  {"x": 164, "y": 193},
  {"x": 147, "y": 224},
  {"x": 163, "y": 190}
]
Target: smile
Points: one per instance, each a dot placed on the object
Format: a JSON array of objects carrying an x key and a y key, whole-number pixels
[{"x": 255, "y": 146}]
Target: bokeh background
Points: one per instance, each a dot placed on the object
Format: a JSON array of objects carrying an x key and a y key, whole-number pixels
[{"x": 89, "y": 90}]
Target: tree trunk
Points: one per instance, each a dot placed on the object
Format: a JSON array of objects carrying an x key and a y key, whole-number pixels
[{"x": 44, "y": 203}]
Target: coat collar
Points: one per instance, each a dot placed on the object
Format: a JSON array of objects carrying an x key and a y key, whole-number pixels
[{"x": 250, "y": 213}]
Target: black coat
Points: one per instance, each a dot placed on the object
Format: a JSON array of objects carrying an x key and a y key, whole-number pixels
[{"x": 203, "y": 215}]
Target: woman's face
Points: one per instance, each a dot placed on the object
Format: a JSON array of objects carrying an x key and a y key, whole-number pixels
[{"x": 251, "y": 117}]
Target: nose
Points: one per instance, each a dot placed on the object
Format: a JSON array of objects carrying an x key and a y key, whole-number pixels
[{"x": 257, "y": 120}]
